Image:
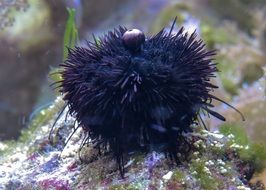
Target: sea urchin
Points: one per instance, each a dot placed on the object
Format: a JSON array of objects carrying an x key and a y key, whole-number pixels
[{"x": 130, "y": 92}]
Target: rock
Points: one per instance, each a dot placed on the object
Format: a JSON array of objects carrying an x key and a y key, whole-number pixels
[{"x": 214, "y": 163}]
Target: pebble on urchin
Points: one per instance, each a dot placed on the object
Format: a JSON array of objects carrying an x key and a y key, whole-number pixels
[{"x": 134, "y": 93}]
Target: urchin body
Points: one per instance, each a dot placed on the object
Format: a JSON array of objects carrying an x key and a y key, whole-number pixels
[{"x": 133, "y": 93}]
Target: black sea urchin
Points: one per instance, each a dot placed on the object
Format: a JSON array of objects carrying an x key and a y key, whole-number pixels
[{"x": 131, "y": 93}]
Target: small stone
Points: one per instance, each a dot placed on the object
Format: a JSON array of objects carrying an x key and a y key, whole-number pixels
[
  {"x": 220, "y": 162},
  {"x": 209, "y": 163},
  {"x": 3, "y": 146},
  {"x": 216, "y": 135},
  {"x": 168, "y": 176},
  {"x": 243, "y": 188},
  {"x": 223, "y": 170}
]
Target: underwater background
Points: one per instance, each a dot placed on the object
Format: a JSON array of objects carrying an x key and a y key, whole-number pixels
[{"x": 34, "y": 35}]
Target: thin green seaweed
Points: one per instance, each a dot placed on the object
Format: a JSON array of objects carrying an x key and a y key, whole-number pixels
[{"x": 71, "y": 37}]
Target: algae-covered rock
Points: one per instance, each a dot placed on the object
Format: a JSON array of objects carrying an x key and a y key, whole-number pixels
[
  {"x": 240, "y": 63},
  {"x": 213, "y": 35},
  {"x": 26, "y": 23},
  {"x": 218, "y": 161},
  {"x": 237, "y": 11},
  {"x": 251, "y": 72},
  {"x": 251, "y": 102},
  {"x": 7, "y": 10}
]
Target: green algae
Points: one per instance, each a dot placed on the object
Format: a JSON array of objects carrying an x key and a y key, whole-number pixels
[
  {"x": 240, "y": 135},
  {"x": 251, "y": 152},
  {"x": 71, "y": 38},
  {"x": 178, "y": 175},
  {"x": 202, "y": 174},
  {"x": 255, "y": 154},
  {"x": 213, "y": 35},
  {"x": 71, "y": 32},
  {"x": 177, "y": 180},
  {"x": 125, "y": 186}
]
